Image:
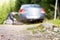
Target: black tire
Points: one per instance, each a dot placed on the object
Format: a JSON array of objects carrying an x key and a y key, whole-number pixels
[{"x": 41, "y": 20}]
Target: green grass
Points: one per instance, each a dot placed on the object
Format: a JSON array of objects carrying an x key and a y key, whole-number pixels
[{"x": 55, "y": 22}]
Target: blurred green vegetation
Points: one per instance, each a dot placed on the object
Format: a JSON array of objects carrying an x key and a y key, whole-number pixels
[
  {"x": 5, "y": 9},
  {"x": 39, "y": 28},
  {"x": 55, "y": 22}
]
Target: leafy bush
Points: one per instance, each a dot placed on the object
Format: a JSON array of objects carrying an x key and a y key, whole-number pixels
[
  {"x": 49, "y": 10},
  {"x": 5, "y": 9}
]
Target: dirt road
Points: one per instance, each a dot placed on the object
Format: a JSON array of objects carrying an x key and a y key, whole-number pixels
[
  {"x": 14, "y": 32},
  {"x": 19, "y": 32}
]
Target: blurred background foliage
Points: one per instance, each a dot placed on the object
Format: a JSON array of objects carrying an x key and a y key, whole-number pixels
[{"x": 14, "y": 5}]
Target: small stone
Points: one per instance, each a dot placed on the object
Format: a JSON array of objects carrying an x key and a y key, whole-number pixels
[
  {"x": 14, "y": 39},
  {"x": 59, "y": 30},
  {"x": 56, "y": 39},
  {"x": 2, "y": 35},
  {"x": 47, "y": 26},
  {"x": 8, "y": 39},
  {"x": 56, "y": 29}
]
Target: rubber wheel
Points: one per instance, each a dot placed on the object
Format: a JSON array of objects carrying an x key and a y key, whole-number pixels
[{"x": 41, "y": 20}]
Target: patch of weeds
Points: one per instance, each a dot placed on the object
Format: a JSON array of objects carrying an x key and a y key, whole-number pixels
[
  {"x": 39, "y": 28},
  {"x": 32, "y": 29},
  {"x": 55, "y": 22}
]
